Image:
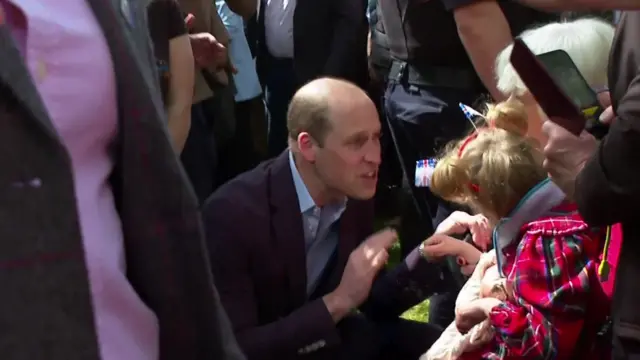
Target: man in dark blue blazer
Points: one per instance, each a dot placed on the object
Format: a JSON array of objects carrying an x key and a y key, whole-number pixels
[{"x": 298, "y": 271}]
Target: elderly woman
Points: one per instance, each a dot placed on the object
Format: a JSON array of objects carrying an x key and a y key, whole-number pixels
[{"x": 587, "y": 41}]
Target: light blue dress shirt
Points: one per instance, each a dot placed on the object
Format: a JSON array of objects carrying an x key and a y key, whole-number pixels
[
  {"x": 320, "y": 229},
  {"x": 246, "y": 80}
]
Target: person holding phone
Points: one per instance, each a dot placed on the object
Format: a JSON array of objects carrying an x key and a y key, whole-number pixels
[
  {"x": 575, "y": 53},
  {"x": 604, "y": 178}
]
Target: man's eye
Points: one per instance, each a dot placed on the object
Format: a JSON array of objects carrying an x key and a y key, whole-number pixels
[{"x": 356, "y": 144}]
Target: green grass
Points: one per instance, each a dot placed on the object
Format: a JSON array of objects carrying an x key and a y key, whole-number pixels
[{"x": 419, "y": 312}]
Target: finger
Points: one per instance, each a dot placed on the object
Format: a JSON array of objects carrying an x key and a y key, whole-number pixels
[
  {"x": 379, "y": 260},
  {"x": 604, "y": 97},
  {"x": 370, "y": 252},
  {"x": 476, "y": 235},
  {"x": 382, "y": 240},
  {"x": 189, "y": 21},
  {"x": 607, "y": 116},
  {"x": 548, "y": 128},
  {"x": 554, "y": 168},
  {"x": 461, "y": 261},
  {"x": 432, "y": 240}
]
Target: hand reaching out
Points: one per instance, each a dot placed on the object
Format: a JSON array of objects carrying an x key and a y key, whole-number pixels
[
  {"x": 440, "y": 245},
  {"x": 460, "y": 222}
]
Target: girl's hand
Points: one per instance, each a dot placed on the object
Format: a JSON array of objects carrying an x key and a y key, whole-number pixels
[
  {"x": 474, "y": 313},
  {"x": 439, "y": 245},
  {"x": 460, "y": 222}
]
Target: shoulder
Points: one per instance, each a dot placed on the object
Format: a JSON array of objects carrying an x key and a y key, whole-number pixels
[
  {"x": 566, "y": 225},
  {"x": 246, "y": 191},
  {"x": 562, "y": 220},
  {"x": 245, "y": 196}
]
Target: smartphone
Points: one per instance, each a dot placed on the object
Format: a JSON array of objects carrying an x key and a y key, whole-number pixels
[
  {"x": 543, "y": 87},
  {"x": 566, "y": 74}
]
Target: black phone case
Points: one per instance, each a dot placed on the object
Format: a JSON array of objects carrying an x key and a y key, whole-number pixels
[{"x": 551, "y": 98}]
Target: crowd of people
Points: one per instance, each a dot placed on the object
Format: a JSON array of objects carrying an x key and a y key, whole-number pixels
[{"x": 211, "y": 179}]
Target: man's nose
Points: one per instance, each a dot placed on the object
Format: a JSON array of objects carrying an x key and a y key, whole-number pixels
[{"x": 373, "y": 154}]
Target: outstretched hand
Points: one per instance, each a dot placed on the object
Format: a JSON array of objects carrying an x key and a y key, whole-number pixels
[
  {"x": 440, "y": 245},
  {"x": 460, "y": 222}
]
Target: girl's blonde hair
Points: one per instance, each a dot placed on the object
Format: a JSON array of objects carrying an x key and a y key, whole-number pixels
[{"x": 492, "y": 169}]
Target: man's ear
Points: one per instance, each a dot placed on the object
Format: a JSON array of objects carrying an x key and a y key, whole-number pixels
[{"x": 307, "y": 146}]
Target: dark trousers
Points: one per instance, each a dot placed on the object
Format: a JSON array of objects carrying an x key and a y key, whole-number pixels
[
  {"x": 362, "y": 339},
  {"x": 279, "y": 89},
  {"x": 422, "y": 120},
  {"x": 241, "y": 153},
  {"x": 199, "y": 155}
]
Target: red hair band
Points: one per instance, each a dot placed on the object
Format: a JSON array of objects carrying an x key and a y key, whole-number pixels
[{"x": 466, "y": 142}]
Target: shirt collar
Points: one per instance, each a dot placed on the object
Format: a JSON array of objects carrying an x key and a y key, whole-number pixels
[
  {"x": 543, "y": 197},
  {"x": 304, "y": 198}
]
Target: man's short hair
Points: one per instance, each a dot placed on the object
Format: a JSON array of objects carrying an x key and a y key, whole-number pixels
[
  {"x": 308, "y": 114},
  {"x": 587, "y": 41}
]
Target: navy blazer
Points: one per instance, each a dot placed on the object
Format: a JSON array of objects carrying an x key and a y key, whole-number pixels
[{"x": 256, "y": 243}]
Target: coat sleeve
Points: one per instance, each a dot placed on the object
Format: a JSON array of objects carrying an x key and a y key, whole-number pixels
[{"x": 608, "y": 188}]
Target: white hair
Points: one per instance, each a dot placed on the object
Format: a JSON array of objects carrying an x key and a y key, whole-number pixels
[{"x": 587, "y": 41}]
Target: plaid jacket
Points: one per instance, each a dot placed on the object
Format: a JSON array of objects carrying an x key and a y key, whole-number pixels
[
  {"x": 553, "y": 269},
  {"x": 45, "y": 308}
]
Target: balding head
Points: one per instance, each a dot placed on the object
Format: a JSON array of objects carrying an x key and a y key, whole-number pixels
[{"x": 313, "y": 107}]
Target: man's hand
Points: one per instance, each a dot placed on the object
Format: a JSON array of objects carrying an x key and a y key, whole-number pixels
[
  {"x": 362, "y": 267},
  {"x": 208, "y": 53},
  {"x": 474, "y": 313},
  {"x": 566, "y": 154},
  {"x": 460, "y": 222}
]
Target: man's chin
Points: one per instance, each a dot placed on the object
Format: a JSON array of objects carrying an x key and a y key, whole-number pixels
[{"x": 363, "y": 194}]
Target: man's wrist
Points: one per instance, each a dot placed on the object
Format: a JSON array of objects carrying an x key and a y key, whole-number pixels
[
  {"x": 423, "y": 254},
  {"x": 337, "y": 305}
]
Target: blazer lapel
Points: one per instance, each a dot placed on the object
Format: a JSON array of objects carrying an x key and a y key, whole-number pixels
[
  {"x": 287, "y": 226},
  {"x": 15, "y": 75}
]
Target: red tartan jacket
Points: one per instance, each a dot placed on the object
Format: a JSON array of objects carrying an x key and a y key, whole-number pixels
[{"x": 552, "y": 262}]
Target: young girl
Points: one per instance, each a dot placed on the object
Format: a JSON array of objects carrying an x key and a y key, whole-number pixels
[{"x": 543, "y": 247}]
